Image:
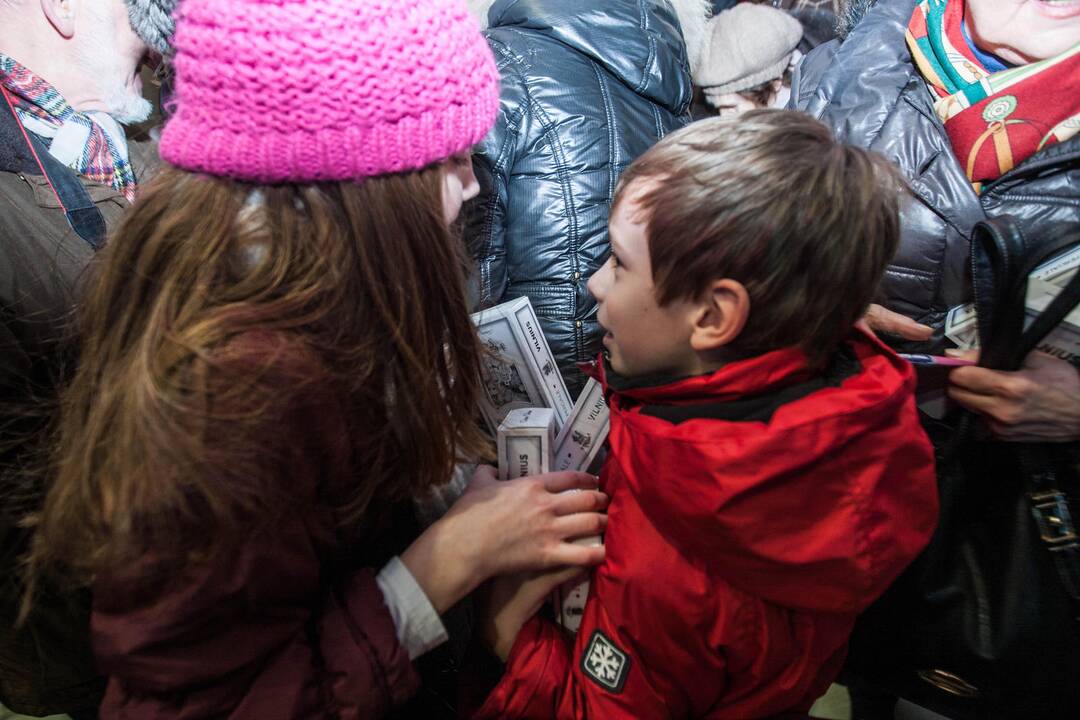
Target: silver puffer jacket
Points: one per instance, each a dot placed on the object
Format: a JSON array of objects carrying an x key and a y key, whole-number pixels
[{"x": 586, "y": 88}]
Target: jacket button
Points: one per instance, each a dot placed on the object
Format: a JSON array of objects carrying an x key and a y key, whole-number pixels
[
  {"x": 578, "y": 323},
  {"x": 577, "y": 276}
]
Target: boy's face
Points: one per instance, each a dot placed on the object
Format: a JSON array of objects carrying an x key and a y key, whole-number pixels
[{"x": 642, "y": 337}]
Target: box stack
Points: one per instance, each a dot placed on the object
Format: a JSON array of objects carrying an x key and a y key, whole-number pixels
[
  {"x": 575, "y": 449},
  {"x": 538, "y": 428}
]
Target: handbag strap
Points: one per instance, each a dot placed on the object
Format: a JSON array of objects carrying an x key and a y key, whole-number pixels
[
  {"x": 1054, "y": 522},
  {"x": 996, "y": 247},
  {"x": 1002, "y": 261},
  {"x": 1048, "y": 498}
]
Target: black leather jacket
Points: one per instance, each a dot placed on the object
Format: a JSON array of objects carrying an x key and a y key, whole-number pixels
[{"x": 871, "y": 95}]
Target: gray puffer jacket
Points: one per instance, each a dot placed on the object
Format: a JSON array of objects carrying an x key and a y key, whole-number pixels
[
  {"x": 871, "y": 95},
  {"x": 586, "y": 88}
]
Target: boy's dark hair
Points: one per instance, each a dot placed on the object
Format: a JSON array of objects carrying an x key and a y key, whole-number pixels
[{"x": 770, "y": 199}]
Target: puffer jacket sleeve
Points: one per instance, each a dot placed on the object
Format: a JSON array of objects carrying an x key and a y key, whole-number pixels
[
  {"x": 493, "y": 160},
  {"x": 806, "y": 79}
]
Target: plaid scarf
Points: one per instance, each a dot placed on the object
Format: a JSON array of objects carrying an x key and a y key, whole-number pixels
[
  {"x": 91, "y": 143},
  {"x": 995, "y": 120}
]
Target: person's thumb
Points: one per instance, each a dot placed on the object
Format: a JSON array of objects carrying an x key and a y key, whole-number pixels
[
  {"x": 484, "y": 475},
  {"x": 893, "y": 323},
  {"x": 972, "y": 354}
]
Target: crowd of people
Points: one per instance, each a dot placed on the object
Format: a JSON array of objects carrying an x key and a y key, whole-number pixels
[{"x": 242, "y": 468}]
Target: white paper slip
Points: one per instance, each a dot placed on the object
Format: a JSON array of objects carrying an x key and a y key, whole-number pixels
[
  {"x": 1058, "y": 270},
  {"x": 569, "y": 602},
  {"x": 962, "y": 326},
  {"x": 1064, "y": 340}
]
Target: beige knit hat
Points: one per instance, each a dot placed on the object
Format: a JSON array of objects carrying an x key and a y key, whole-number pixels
[{"x": 748, "y": 45}]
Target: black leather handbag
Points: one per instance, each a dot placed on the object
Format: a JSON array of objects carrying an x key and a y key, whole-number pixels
[{"x": 986, "y": 623}]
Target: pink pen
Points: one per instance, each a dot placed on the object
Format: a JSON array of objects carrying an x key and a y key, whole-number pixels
[{"x": 942, "y": 360}]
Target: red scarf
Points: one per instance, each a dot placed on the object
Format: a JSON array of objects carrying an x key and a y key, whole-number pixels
[{"x": 995, "y": 120}]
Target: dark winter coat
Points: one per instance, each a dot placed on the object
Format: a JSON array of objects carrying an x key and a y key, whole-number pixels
[
  {"x": 289, "y": 622},
  {"x": 754, "y": 513},
  {"x": 870, "y": 93},
  {"x": 46, "y": 665},
  {"x": 585, "y": 90}
]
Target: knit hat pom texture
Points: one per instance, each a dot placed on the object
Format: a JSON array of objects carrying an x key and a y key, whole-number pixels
[{"x": 325, "y": 90}]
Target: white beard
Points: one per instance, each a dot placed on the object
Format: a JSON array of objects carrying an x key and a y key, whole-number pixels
[
  {"x": 98, "y": 54},
  {"x": 127, "y": 107}
]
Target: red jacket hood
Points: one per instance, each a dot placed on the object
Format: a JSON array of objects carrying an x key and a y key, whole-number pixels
[{"x": 818, "y": 507}]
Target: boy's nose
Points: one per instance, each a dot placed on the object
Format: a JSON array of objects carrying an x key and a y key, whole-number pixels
[{"x": 597, "y": 283}]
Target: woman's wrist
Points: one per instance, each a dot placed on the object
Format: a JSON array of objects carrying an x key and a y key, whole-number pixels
[
  {"x": 444, "y": 564},
  {"x": 500, "y": 632}
]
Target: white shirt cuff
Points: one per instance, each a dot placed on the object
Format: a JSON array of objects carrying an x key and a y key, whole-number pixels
[{"x": 419, "y": 628}]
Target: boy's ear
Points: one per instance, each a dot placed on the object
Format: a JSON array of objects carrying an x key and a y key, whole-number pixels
[{"x": 721, "y": 315}]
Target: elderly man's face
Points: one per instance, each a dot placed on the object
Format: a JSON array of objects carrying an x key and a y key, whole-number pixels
[
  {"x": 110, "y": 54},
  {"x": 1023, "y": 31}
]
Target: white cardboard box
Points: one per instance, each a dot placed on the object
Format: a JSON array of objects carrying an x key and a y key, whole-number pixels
[
  {"x": 526, "y": 442},
  {"x": 520, "y": 370},
  {"x": 575, "y": 449},
  {"x": 584, "y": 432}
]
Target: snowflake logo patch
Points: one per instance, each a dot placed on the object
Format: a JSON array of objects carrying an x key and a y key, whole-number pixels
[{"x": 604, "y": 663}]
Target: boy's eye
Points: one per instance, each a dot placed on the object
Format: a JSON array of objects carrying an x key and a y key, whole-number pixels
[{"x": 614, "y": 260}]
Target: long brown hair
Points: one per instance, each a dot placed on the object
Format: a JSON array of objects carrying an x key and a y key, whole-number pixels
[{"x": 163, "y": 437}]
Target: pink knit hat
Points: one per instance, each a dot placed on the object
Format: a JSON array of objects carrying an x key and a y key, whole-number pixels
[{"x": 311, "y": 90}]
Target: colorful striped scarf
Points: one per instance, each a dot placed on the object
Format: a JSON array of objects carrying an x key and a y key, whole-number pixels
[
  {"x": 91, "y": 143},
  {"x": 995, "y": 120}
]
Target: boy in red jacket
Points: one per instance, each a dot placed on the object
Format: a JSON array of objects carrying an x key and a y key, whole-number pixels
[{"x": 767, "y": 471}]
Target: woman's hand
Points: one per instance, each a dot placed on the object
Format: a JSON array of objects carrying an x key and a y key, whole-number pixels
[
  {"x": 526, "y": 524},
  {"x": 1040, "y": 402},
  {"x": 505, "y": 527},
  {"x": 513, "y": 599}
]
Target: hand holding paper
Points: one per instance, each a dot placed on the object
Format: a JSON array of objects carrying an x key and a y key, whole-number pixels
[{"x": 1038, "y": 403}]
